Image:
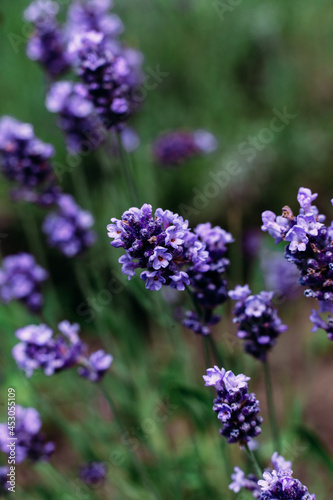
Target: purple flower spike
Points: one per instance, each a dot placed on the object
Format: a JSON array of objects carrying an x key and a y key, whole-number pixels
[
  {"x": 20, "y": 279},
  {"x": 40, "y": 349},
  {"x": 235, "y": 407},
  {"x": 93, "y": 473},
  {"x": 26, "y": 160},
  {"x": 310, "y": 245},
  {"x": 30, "y": 442},
  {"x": 277, "y": 482},
  {"x": 111, "y": 74},
  {"x": 69, "y": 228},
  {"x": 175, "y": 148},
  {"x": 77, "y": 117},
  {"x": 257, "y": 320},
  {"x": 47, "y": 44}
]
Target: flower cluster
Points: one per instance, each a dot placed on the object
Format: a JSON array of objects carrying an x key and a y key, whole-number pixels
[
  {"x": 277, "y": 482},
  {"x": 47, "y": 45},
  {"x": 309, "y": 244},
  {"x": 236, "y": 408},
  {"x": 20, "y": 279},
  {"x": 93, "y": 15},
  {"x": 161, "y": 244},
  {"x": 257, "y": 320},
  {"x": 25, "y": 159},
  {"x": 93, "y": 473},
  {"x": 209, "y": 287},
  {"x": 76, "y": 116},
  {"x": 69, "y": 228},
  {"x": 30, "y": 442},
  {"x": 111, "y": 75},
  {"x": 175, "y": 148},
  {"x": 39, "y": 349}
]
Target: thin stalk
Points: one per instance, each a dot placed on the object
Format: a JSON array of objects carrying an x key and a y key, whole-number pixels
[
  {"x": 136, "y": 463},
  {"x": 127, "y": 172},
  {"x": 271, "y": 408},
  {"x": 215, "y": 350},
  {"x": 206, "y": 351},
  {"x": 254, "y": 461}
]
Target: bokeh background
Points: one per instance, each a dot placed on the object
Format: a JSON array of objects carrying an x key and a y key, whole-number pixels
[{"x": 227, "y": 72}]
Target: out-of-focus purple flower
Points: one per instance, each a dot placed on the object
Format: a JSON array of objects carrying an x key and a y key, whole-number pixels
[
  {"x": 77, "y": 117},
  {"x": 319, "y": 322},
  {"x": 111, "y": 75},
  {"x": 20, "y": 279},
  {"x": 93, "y": 15},
  {"x": 209, "y": 286},
  {"x": 47, "y": 44},
  {"x": 30, "y": 442},
  {"x": 279, "y": 275},
  {"x": 257, "y": 320},
  {"x": 93, "y": 473},
  {"x": 4, "y": 478},
  {"x": 175, "y": 148},
  {"x": 161, "y": 244},
  {"x": 25, "y": 159},
  {"x": 40, "y": 349},
  {"x": 236, "y": 408},
  {"x": 69, "y": 228},
  {"x": 241, "y": 481},
  {"x": 96, "y": 366}
]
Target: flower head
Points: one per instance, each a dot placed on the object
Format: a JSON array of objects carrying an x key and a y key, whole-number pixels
[
  {"x": 20, "y": 279},
  {"x": 235, "y": 407},
  {"x": 30, "y": 442}
]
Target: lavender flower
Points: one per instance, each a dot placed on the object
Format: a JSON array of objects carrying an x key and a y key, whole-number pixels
[
  {"x": 280, "y": 485},
  {"x": 309, "y": 244},
  {"x": 4, "y": 478},
  {"x": 277, "y": 482},
  {"x": 236, "y": 408},
  {"x": 175, "y": 148},
  {"x": 69, "y": 228},
  {"x": 47, "y": 44},
  {"x": 20, "y": 279},
  {"x": 93, "y": 473},
  {"x": 209, "y": 286},
  {"x": 39, "y": 349},
  {"x": 257, "y": 320},
  {"x": 93, "y": 15},
  {"x": 161, "y": 244},
  {"x": 111, "y": 75},
  {"x": 30, "y": 442},
  {"x": 25, "y": 159},
  {"x": 77, "y": 118}
]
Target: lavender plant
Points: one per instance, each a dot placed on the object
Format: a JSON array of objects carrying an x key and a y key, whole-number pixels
[{"x": 39, "y": 349}]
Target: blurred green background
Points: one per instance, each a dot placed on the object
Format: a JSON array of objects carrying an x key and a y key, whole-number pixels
[{"x": 227, "y": 71}]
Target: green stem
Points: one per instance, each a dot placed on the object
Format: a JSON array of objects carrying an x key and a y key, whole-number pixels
[
  {"x": 136, "y": 463},
  {"x": 127, "y": 172},
  {"x": 254, "y": 461},
  {"x": 271, "y": 408},
  {"x": 215, "y": 350},
  {"x": 206, "y": 350}
]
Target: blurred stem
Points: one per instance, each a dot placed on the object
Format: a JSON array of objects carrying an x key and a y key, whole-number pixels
[
  {"x": 207, "y": 352},
  {"x": 136, "y": 462},
  {"x": 254, "y": 461},
  {"x": 215, "y": 350},
  {"x": 271, "y": 408},
  {"x": 128, "y": 173}
]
